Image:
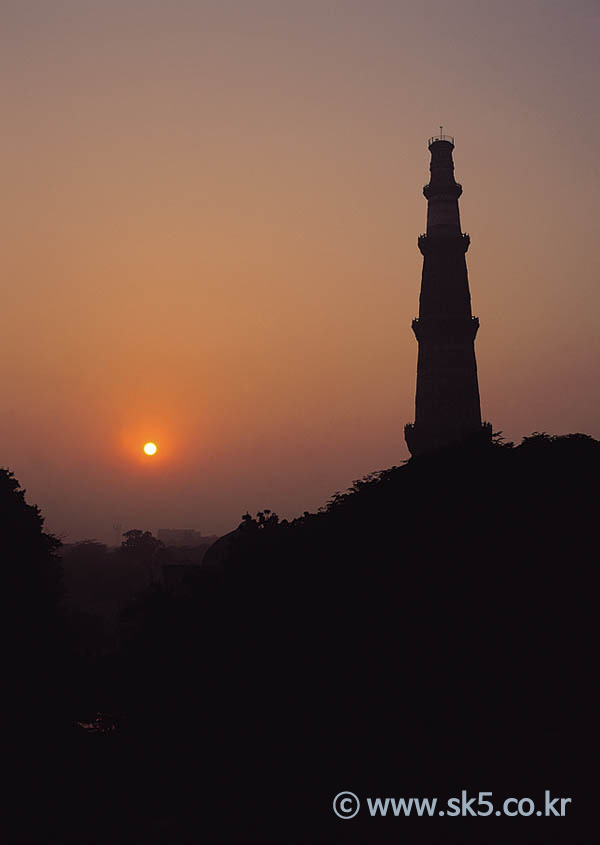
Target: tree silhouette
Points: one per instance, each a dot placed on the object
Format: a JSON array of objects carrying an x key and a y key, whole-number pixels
[
  {"x": 32, "y": 572},
  {"x": 143, "y": 550},
  {"x": 32, "y": 609}
]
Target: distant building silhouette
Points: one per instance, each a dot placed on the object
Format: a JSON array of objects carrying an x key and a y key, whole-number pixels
[
  {"x": 447, "y": 402},
  {"x": 183, "y": 558},
  {"x": 184, "y": 537}
]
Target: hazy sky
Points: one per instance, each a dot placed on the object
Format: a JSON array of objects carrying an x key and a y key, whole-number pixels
[{"x": 209, "y": 222}]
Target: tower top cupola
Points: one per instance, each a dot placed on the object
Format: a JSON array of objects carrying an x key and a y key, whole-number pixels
[
  {"x": 442, "y": 191},
  {"x": 442, "y": 179}
]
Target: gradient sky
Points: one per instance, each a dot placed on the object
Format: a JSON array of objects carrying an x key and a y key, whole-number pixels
[{"x": 209, "y": 223}]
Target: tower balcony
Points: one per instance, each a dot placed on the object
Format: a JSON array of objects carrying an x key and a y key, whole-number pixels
[
  {"x": 452, "y": 329},
  {"x": 437, "y": 436},
  {"x": 443, "y": 189},
  {"x": 427, "y": 243}
]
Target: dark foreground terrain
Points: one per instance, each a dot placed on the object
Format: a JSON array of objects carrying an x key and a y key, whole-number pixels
[{"x": 430, "y": 631}]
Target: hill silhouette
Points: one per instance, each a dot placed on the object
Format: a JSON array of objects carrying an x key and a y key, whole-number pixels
[{"x": 428, "y": 631}]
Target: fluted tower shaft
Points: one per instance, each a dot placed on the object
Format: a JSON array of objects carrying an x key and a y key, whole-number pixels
[{"x": 447, "y": 407}]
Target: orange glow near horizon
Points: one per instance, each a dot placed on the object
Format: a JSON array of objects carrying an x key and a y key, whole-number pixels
[{"x": 209, "y": 229}]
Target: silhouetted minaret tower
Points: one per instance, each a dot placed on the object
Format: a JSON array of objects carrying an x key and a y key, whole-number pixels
[{"x": 447, "y": 402}]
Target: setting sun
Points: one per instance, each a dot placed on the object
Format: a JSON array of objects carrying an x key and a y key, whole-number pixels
[{"x": 150, "y": 448}]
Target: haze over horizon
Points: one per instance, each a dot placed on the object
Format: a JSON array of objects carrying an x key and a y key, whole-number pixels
[{"x": 210, "y": 218}]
